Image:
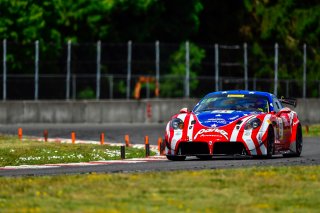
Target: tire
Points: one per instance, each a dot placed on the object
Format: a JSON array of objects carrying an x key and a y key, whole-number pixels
[
  {"x": 204, "y": 157},
  {"x": 299, "y": 144},
  {"x": 176, "y": 158},
  {"x": 299, "y": 141},
  {"x": 270, "y": 142}
]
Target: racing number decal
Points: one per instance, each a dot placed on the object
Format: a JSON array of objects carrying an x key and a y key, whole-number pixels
[{"x": 280, "y": 128}]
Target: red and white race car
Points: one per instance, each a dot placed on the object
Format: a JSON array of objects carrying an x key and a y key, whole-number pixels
[{"x": 235, "y": 122}]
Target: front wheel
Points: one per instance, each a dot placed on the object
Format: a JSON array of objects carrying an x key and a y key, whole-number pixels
[
  {"x": 270, "y": 142},
  {"x": 176, "y": 158}
]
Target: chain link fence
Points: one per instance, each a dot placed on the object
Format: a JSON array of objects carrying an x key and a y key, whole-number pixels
[{"x": 148, "y": 70}]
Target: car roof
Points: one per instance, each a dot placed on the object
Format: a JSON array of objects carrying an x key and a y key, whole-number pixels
[{"x": 244, "y": 92}]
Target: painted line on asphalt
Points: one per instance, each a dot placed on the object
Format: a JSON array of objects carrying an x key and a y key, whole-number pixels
[{"x": 107, "y": 162}]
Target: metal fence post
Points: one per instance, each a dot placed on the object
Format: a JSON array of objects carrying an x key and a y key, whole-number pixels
[
  {"x": 129, "y": 68},
  {"x": 74, "y": 86},
  {"x": 187, "y": 88},
  {"x": 4, "y": 77},
  {"x": 216, "y": 54},
  {"x": 304, "y": 70},
  {"x": 36, "y": 76},
  {"x": 287, "y": 88},
  {"x": 157, "y": 65},
  {"x": 245, "y": 56},
  {"x": 98, "y": 69},
  {"x": 276, "y": 49},
  {"x": 110, "y": 87},
  {"x": 68, "y": 71},
  {"x": 319, "y": 89}
]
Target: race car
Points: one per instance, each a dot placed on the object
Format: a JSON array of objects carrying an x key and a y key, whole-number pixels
[{"x": 237, "y": 122}]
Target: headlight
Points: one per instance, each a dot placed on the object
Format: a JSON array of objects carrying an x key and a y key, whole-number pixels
[
  {"x": 252, "y": 124},
  {"x": 177, "y": 123}
]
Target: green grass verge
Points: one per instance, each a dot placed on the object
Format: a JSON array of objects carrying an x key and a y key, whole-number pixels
[
  {"x": 14, "y": 152},
  {"x": 311, "y": 130},
  {"x": 263, "y": 189}
]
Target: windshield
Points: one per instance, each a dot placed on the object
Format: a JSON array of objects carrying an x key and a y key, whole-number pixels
[{"x": 237, "y": 102}]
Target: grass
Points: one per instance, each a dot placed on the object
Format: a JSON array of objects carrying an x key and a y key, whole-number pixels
[
  {"x": 263, "y": 189},
  {"x": 311, "y": 130},
  {"x": 14, "y": 152}
]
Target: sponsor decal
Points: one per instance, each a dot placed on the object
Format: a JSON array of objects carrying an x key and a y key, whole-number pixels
[
  {"x": 214, "y": 130},
  {"x": 222, "y": 111},
  {"x": 235, "y": 96},
  {"x": 234, "y": 117},
  {"x": 217, "y": 120}
]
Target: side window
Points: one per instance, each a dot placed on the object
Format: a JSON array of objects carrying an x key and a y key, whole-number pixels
[{"x": 276, "y": 104}]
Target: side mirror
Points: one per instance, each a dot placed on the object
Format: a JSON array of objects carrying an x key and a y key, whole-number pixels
[
  {"x": 284, "y": 110},
  {"x": 184, "y": 110}
]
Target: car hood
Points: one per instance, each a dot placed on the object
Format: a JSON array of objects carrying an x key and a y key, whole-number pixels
[{"x": 219, "y": 118}]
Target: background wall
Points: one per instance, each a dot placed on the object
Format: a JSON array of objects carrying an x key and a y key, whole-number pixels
[{"x": 118, "y": 111}]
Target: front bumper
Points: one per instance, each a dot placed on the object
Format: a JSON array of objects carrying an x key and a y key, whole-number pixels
[{"x": 208, "y": 148}]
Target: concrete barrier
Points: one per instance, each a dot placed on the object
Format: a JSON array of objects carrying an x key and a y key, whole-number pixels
[{"x": 117, "y": 111}]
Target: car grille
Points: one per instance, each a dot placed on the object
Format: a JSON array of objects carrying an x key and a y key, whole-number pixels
[
  {"x": 193, "y": 148},
  {"x": 228, "y": 148}
]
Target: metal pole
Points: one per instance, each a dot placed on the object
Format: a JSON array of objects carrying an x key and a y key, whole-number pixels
[
  {"x": 304, "y": 70},
  {"x": 148, "y": 89},
  {"x": 319, "y": 90},
  {"x": 245, "y": 55},
  {"x": 216, "y": 48},
  {"x": 74, "y": 86},
  {"x": 276, "y": 49},
  {"x": 129, "y": 68},
  {"x": 36, "y": 76},
  {"x": 68, "y": 71},
  {"x": 110, "y": 87},
  {"x": 287, "y": 88},
  {"x": 187, "y": 83},
  {"x": 98, "y": 69},
  {"x": 4, "y": 70},
  {"x": 157, "y": 64}
]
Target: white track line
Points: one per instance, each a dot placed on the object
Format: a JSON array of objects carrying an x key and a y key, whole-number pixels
[{"x": 106, "y": 162}]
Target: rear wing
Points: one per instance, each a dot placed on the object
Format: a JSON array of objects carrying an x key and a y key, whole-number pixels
[{"x": 289, "y": 101}]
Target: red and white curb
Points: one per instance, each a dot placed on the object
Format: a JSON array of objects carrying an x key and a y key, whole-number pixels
[{"x": 103, "y": 162}]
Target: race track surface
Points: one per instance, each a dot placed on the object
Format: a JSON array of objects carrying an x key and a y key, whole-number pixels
[{"x": 310, "y": 154}]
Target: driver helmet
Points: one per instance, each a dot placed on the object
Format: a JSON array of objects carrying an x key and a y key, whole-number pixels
[{"x": 260, "y": 104}]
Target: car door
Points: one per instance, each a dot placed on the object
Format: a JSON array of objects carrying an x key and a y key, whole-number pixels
[{"x": 283, "y": 124}]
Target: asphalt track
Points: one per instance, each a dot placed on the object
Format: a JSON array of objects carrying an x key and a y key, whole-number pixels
[{"x": 310, "y": 154}]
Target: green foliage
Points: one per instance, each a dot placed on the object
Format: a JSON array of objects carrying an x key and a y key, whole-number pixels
[
  {"x": 261, "y": 23},
  {"x": 87, "y": 93},
  {"x": 173, "y": 85},
  {"x": 291, "y": 24},
  {"x": 88, "y": 21}
]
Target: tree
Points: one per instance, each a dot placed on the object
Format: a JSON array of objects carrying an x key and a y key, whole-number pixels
[
  {"x": 290, "y": 23},
  {"x": 173, "y": 85}
]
